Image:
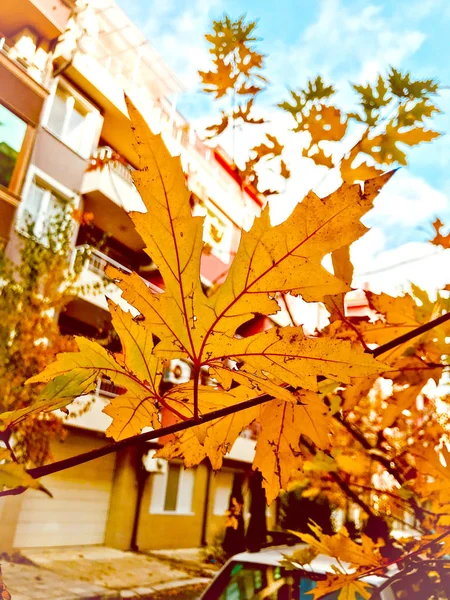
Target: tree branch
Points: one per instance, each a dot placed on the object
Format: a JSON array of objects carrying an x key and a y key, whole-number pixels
[
  {"x": 74, "y": 461},
  {"x": 340, "y": 482},
  {"x": 401, "y": 339},
  {"x": 359, "y": 437}
]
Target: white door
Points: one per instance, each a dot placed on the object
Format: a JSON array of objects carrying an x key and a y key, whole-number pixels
[{"x": 78, "y": 512}]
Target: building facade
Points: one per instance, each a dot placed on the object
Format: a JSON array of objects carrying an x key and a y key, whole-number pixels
[{"x": 66, "y": 143}]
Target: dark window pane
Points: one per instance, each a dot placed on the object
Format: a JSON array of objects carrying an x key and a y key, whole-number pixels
[
  {"x": 12, "y": 132},
  {"x": 173, "y": 479}
]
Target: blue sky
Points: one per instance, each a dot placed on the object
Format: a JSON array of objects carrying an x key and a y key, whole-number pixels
[{"x": 343, "y": 40}]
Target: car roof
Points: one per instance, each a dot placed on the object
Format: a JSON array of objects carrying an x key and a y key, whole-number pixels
[{"x": 274, "y": 555}]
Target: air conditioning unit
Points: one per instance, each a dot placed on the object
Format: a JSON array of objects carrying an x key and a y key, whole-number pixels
[
  {"x": 152, "y": 464},
  {"x": 178, "y": 372}
]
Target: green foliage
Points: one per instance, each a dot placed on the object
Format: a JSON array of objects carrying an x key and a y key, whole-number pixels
[{"x": 35, "y": 287}]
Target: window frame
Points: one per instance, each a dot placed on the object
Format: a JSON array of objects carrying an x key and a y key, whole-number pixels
[
  {"x": 52, "y": 186},
  {"x": 92, "y": 118},
  {"x": 186, "y": 484},
  {"x": 23, "y": 156}
]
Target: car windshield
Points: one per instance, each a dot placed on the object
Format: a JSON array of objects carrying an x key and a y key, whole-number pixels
[{"x": 246, "y": 581}]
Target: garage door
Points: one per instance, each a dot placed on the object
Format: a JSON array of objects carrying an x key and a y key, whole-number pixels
[{"x": 78, "y": 512}]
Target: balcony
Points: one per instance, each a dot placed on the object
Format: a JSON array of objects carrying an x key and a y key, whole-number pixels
[
  {"x": 47, "y": 17},
  {"x": 110, "y": 177},
  {"x": 23, "y": 79},
  {"x": 87, "y": 411},
  {"x": 109, "y": 193},
  {"x": 94, "y": 284},
  {"x": 28, "y": 57}
]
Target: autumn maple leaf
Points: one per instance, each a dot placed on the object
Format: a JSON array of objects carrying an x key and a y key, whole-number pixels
[{"x": 190, "y": 325}]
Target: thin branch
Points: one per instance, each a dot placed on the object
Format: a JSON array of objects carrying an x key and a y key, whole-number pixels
[
  {"x": 408, "y": 557},
  {"x": 340, "y": 482},
  {"x": 182, "y": 426},
  {"x": 410, "y": 335},
  {"x": 359, "y": 437},
  {"x": 5, "y": 437}
]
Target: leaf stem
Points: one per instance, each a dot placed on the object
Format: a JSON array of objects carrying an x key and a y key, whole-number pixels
[{"x": 195, "y": 391}]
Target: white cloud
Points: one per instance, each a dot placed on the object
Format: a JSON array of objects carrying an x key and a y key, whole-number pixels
[
  {"x": 344, "y": 44},
  {"x": 178, "y": 34},
  {"x": 407, "y": 200},
  {"x": 392, "y": 271}
]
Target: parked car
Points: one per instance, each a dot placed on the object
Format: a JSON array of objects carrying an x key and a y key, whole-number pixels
[{"x": 262, "y": 576}]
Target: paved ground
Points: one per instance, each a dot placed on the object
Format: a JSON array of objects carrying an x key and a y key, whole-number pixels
[{"x": 96, "y": 573}]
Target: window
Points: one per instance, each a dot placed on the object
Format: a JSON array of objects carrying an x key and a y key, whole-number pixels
[
  {"x": 41, "y": 205},
  {"x": 73, "y": 120},
  {"x": 12, "y": 134},
  {"x": 224, "y": 484},
  {"x": 45, "y": 202},
  {"x": 172, "y": 490}
]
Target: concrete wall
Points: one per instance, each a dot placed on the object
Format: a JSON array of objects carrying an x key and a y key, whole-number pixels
[
  {"x": 160, "y": 531},
  {"x": 124, "y": 497},
  {"x": 58, "y": 160}
]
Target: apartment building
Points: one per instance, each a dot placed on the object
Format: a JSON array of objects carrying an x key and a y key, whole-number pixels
[
  {"x": 26, "y": 46},
  {"x": 66, "y": 142}
]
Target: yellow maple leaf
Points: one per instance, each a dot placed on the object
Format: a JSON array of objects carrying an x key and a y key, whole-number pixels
[
  {"x": 383, "y": 148},
  {"x": 397, "y": 317},
  {"x": 278, "y": 450},
  {"x": 135, "y": 368},
  {"x": 219, "y": 80},
  {"x": 323, "y": 123},
  {"x": 440, "y": 239},
  {"x": 340, "y": 546},
  {"x": 13, "y": 474},
  {"x": 263, "y": 265},
  {"x": 191, "y": 325},
  {"x": 348, "y": 586}
]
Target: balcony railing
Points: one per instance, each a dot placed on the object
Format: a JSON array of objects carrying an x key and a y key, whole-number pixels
[
  {"x": 97, "y": 262},
  {"x": 106, "y": 156},
  {"x": 39, "y": 72}
]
